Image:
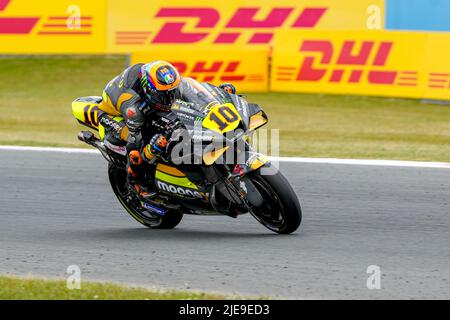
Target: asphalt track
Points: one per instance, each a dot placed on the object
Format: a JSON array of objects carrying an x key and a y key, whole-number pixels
[{"x": 57, "y": 209}]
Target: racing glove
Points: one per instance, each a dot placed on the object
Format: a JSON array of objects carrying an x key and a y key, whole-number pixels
[{"x": 155, "y": 148}]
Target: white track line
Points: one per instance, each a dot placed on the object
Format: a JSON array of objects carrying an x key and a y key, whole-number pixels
[
  {"x": 362, "y": 162},
  {"x": 388, "y": 163},
  {"x": 49, "y": 149}
]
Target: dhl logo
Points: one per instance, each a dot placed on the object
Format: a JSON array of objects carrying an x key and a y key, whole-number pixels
[
  {"x": 52, "y": 26},
  {"x": 438, "y": 80},
  {"x": 15, "y": 25},
  {"x": 67, "y": 25},
  {"x": 216, "y": 71},
  {"x": 212, "y": 27},
  {"x": 350, "y": 62}
]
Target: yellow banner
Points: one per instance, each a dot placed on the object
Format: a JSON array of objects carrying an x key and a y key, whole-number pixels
[
  {"x": 371, "y": 63},
  {"x": 234, "y": 23},
  {"x": 52, "y": 26},
  {"x": 437, "y": 67},
  {"x": 116, "y": 26},
  {"x": 247, "y": 70}
]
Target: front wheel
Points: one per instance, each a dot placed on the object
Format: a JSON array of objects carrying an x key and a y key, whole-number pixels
[
  {"x": 118, "y": 180},
  {"x": 281, "y": 211}
]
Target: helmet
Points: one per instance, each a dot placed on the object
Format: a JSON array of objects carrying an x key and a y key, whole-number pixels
[
  {"x": 159, "y": 79},
  {"x": 228, "y": 87}
]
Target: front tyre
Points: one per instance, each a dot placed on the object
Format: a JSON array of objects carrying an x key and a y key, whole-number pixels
[
  {"x": 281, "y": 211},
  {"x": 118, "y": 180}
]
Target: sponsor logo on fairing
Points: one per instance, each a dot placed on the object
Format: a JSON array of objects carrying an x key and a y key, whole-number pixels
[
  {"x": 199, "y": 119},
  {"x": 204, "y": 138},
  {"x": 185, "y": 192},
  {"x": 185, "y": 116},
  {"x": 154, "y": 209},
  {"x": 111, "y": 124}
]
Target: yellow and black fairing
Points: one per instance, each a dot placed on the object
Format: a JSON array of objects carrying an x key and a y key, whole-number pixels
[
  {"x": 256, "y": 118},
  {"x": 226, "y": 117},
  {"x": 87, "y": 110},
  {"x": 219, "y": 115},
  {"x": 220, "y": 122},
  {"x": 169, "y": 180},
  {"x": 178, "y": 183}
]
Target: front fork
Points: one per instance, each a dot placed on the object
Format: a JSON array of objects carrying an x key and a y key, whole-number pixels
[{"x": 235, "y": 184}]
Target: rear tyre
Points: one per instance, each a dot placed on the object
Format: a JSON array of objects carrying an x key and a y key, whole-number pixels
[
  {"x": 118, "y": 180},
  {"x": 281, "y": 211}
]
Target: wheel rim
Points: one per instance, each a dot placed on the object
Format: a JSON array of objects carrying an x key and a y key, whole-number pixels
[
  {"x": 134, "y": 207},
  {"x": 271, "y": 213}
]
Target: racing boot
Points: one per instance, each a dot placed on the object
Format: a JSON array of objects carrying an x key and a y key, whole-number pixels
[
  {"x": 135, "y": 176},
  {"x": 143, "y": 191}
]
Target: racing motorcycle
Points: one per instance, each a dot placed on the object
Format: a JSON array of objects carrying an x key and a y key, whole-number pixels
[{"x": 216, "y": 126}]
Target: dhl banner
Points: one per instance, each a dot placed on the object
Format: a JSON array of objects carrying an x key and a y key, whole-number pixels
[
  {"x": 247, "y": 70},
  {"x": 437, "y": 67},
  {"x": 52, "y": 26},
  {"x": 117, "y": 26},
  {"x": 383, "y": 63},
  {"x": 235, "y": 23}
]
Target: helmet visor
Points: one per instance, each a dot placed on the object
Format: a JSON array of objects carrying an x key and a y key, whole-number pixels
[{"x": 163, "y": 98}]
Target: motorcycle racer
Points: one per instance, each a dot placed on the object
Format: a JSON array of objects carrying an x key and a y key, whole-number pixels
[
  {"x": 193, "y": 174},
  {"x": 140, "y": 94}
]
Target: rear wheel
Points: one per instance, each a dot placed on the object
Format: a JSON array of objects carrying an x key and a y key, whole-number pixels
[
  {"x": 118, "y": 180},
  {"x": 281, "y": 211}
]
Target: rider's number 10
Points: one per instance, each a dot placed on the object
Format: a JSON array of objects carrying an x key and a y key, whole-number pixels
[{"x": 223, "y": 117}]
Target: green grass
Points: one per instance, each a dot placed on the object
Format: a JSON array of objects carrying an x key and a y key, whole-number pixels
[
  {"x": 36, "y": 93},
  {"x": 38, "y": 289},
  {"x": 358, "y": 127}
]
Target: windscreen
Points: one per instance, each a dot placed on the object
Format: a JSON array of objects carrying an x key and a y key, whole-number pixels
[{"x": 202, "y": 95}]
